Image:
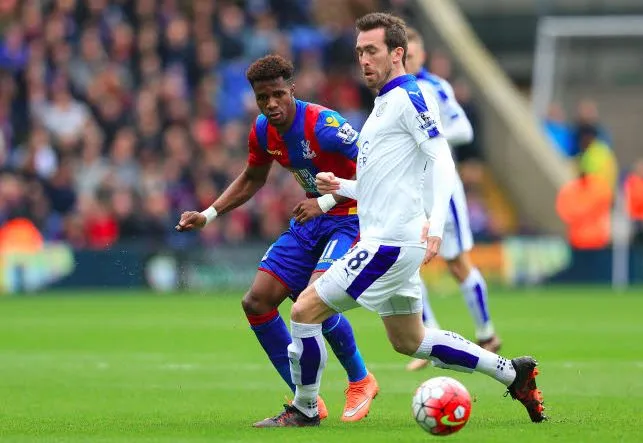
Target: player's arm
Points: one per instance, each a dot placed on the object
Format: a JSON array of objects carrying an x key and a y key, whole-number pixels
[
  {"x": 240, "y": 191},
  {"x": 246, "y": 185},
  {"x": 422, "y": 120},
  {"x": 328, "y": 184},
  {"x": 441, "y": 172},
  {"x": 314, "y": 207},
  {"x": 243, "y": 188}
]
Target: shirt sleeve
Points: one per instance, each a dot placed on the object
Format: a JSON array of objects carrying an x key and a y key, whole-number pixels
[
  {"x": 257, "y": 156},
  {"x": 421, "y": 117},
  {"x": 456, "y": 124},
  {"x": 335, "y": 134}
]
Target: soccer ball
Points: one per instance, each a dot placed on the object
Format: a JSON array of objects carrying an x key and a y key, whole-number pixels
[{"x": 441, "y": 405}]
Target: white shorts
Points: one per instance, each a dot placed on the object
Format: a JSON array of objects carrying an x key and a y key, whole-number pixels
[
  {"x": 383, "y": 279},
  {"x": 457, "y": 237}
]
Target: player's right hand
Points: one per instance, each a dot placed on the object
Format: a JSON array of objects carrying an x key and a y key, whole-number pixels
[
  {"x": 432, "y": 243},
  {"x": 326, "y": 182},
  {"x": 190, "y": 220}
]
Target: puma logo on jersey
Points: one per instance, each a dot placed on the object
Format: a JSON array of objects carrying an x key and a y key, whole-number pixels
[
  {"x": 276, "y": 152},
  {"x": 418, "y": 93}
]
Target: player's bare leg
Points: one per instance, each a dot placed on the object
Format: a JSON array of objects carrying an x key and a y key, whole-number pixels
[
  {"x": 260, "y": 305},
  {"x": 474, "y": 290},
  {"x": 359, "y": 393},
  {"x": 408, "y": 336},
  {"x": 429, "y": 320},
  {"x": 307, "y": 354}
]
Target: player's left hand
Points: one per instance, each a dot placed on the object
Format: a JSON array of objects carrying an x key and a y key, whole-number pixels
[
  {"x": 432, "y": 244},
  {"x": 307, "y": 210}
]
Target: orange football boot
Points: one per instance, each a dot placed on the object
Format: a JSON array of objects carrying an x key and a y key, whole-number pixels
[{"x": 359, "y": 396}]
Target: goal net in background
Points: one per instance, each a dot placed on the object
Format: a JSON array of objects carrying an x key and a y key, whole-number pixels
[{"x": 598, "y": 59}]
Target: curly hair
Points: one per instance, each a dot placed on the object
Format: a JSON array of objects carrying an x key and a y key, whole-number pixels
[
  {"x": 270, "y": 67},
  {"x": 394, "y": 29}
]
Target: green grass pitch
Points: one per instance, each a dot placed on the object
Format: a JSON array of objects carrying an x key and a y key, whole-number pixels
[{"x": 186, "y": 368}]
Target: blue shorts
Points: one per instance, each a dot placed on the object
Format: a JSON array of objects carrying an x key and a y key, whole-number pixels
[{"x": 309, "y": 247}]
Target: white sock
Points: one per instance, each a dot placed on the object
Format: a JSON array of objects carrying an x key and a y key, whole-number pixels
[
  {"x": 428, "y": 317},
  {"x": 449, "y": 350},
  {"x": 307, "y": 341},
  {"x": 474, "y": 290}
]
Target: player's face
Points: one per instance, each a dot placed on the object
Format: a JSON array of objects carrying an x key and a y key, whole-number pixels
[
  {"x": 415, "y": 58},
  {"x": 275, "y": 100},
  {"x": 374, "y": 57}
]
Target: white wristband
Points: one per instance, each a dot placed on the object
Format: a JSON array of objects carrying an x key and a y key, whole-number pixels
[
  {"x": 209, "y": 214},
  {"x": 326, "y": 202}
]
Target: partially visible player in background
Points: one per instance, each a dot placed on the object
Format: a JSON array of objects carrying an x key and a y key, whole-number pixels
[
  {"x": 457, "y": 239},
  {"x": 304, "y": 138}
]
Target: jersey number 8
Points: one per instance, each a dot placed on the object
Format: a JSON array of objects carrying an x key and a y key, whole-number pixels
[{"x": 355, "y": 262}]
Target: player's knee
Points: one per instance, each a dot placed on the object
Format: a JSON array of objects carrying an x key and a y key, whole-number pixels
[
  {"x": 298, "y": 313},
  {"x": 460, "y": 267},
  {"x": 254, "y": 304},
  {"x": 404, "y": 345}
]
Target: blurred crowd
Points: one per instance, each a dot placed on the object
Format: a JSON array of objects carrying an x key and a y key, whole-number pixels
[
  {"x": 117, "y": 115},
  {"x": 587, "y": 203}
]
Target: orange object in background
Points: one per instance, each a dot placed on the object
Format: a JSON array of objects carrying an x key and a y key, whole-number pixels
[
  {"x": 634, "y": 196},
  {"x": 585, "y": 205},
  {"x": 20, "y": 235}
]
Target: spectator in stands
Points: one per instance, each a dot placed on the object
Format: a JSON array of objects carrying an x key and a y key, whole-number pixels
[
  {"x": 587, "y": 116},
  {"x": 596, "y": 158},
  {"x": 111, "y": 106},
  {"x": 557, "y": 128},
  {"x": 584, "y": 205}
]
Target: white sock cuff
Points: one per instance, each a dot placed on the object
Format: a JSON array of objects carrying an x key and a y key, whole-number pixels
[
  {"x": 424, "y": 351},
  {"x": 304, "y": 330},
  {"x": 472, "y": 279}
]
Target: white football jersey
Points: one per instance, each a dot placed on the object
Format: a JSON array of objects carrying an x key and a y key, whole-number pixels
[
  {"x": 442, "y": 91},
  {"x": 391, "y": 165}
]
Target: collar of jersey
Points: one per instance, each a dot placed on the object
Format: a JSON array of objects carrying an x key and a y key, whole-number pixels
[
  {"x": 397, "y": 81},
  {"x": 422, "y": 74}
]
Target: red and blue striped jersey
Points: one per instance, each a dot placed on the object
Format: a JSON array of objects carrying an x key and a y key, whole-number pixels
[{"x": 319, "y": 140}]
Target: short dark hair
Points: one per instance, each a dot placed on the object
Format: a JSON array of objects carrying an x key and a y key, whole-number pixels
[
  {"x": 394, "y": 29},
  {"x": 270, "y": 67}
]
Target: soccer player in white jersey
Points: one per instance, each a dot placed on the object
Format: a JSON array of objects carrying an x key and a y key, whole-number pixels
[
  {"x": 457, "y": 240},
  {"x": 381, "y": 273}
]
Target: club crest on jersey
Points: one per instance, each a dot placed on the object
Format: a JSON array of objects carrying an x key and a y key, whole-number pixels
[
  {"x": 380, "y": 110},
  {"x": 309, "y": 154},
  {"x": 427, "y": 124},
  {"x": 347, "y": 134}
]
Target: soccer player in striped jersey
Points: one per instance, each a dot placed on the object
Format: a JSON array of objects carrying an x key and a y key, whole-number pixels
[{"x": 304, "y": 138}]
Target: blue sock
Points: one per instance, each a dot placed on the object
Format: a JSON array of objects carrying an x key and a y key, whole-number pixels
[
  {"x": 272, "y": 333},
  {"x": 339, "y": 334}
]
